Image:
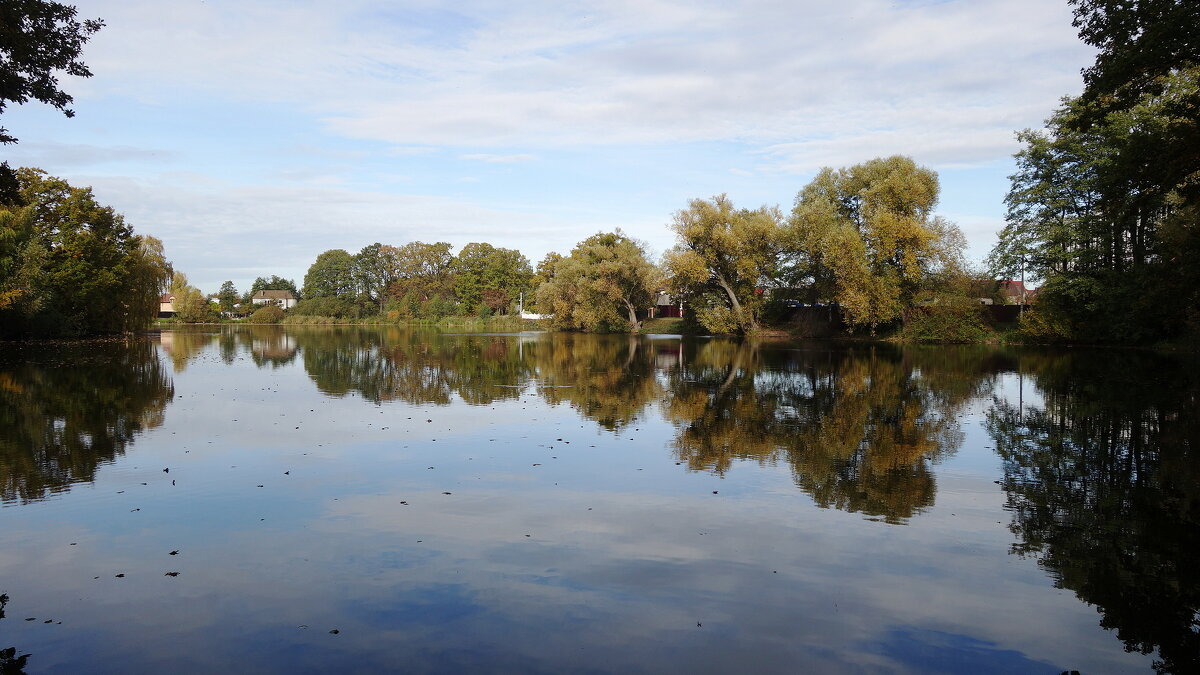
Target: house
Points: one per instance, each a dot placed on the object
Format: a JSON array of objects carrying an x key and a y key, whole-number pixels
[
  {"x": 1016, "y": 293},
  {"x": 166, "y": 305},
  {"x": 666, "y": 306},
  {"x": 284, "y": 299}
]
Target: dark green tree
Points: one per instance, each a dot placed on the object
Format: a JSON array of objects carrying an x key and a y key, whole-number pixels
[
  {"x": 39, "y": 39},
  {"x": 70, "y": 266},
  {"x": 227, "y": 296},
  {"x": 275, "y": 283},
  {"x": 481, "y": 267},
  {"x": 331, "y": 276}
]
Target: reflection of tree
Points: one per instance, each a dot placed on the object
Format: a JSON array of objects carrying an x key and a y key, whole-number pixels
[
  {"x": 10, "y": 662},
  {"x": 183, "y": 345},
  {"x": 416, "y": 367},
  {"x": 858, "y": 427},
  {"x": 606, "y": 378},
  {"x": 65, "y": 410},
  {"x": 1104, "y": 485}
]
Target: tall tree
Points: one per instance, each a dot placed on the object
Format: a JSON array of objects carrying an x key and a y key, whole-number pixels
[
  {"x": 424, "y": 270},
  {"x": 69, "y": 265},
  {"x": 482, "y": 267},
  {"x": 728, "y": 253},
  {"x": 1105, "y": 205},
  {"x": 601, "y": 285},
  {"x": 227, "y": 296},
  {"x": 866, "y": 237},
  {"x": 375, "y": 270},
  {"x": 331, "y": 276}
]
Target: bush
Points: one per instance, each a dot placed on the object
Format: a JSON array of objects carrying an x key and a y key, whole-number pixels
[
  {"x": 1043, "y": 324},
  {"x": 267, "y": 314},
  {"x": 948, "y": 319},
  {"x": 326, "y": 306}
]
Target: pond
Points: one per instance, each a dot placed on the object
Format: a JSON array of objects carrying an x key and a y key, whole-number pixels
[{"x": 260, "y": 499}]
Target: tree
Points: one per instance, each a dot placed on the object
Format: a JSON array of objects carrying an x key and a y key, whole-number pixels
[
  {"x": 866, "y": 237},
  {"x": 190, "y": 304},
  {"x": 71, "y": 266},
  {"x": 601, "y": 285},
  {"x": 480, "y": 267},
  {"x": 727, "y": 253},
  {"x": 331, "y": 276},
  {"x": 1105, "y": 204},
  {"x": 38, "y": 39},
  {"x": 275, "y": 283},
  {"x": 375, "y": 270},
  {"x": 423, "y": 270},
  {"x": 227, "y": 296}
]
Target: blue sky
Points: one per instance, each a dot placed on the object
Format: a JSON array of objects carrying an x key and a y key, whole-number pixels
[{"x": 252, "y": 135}]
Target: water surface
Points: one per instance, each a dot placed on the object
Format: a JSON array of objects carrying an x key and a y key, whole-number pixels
[{"x": 366, "y": 500}]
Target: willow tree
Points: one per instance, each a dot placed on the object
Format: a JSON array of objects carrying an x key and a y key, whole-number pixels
[
  {"x": 601, "y": 285},
  {"x": 725, "y": 255},
  {"x": 866, "y": 237}
]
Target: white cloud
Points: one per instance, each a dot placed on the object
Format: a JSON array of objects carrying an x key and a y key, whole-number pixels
[{"x": 549, "y": 74}]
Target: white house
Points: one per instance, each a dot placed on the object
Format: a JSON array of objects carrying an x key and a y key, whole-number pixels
[{"x": 284, "y": 299}]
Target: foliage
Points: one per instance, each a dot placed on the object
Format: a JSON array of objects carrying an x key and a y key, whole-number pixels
[
  {"x": 949, "y": 318},
  {"x": 227, "y": 296},
  {"x": 70, "y": 266},
  {"x": 1103, "y": 207},
  {"x": 326, "y": 306},
  {"x": 375, "y": 268},
  {"x": 423, "y": 270},
  {"x": 39, "y": 38},
  {"x": 275, "y": 283},
  {"x": 866, "y": 238},
  {"x": 331, "y": 276},
  {"x": 267, "y": 314},
  {"x": 481, "y": 267},
  {"x": 731, "y": 253},
  {"x": 600, "y": 286}
]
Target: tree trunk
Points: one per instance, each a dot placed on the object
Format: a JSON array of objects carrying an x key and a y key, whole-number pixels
[
  {"x": 634, "y": 324},
  {"x": 733, "y": 301}
]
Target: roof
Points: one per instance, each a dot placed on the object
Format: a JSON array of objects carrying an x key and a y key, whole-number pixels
[
  {"x": 166, "y": 297},
  {"x": 274, "y": 295}
]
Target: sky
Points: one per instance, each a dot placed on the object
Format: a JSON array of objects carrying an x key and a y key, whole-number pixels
[{"x": 252, "y": 135}]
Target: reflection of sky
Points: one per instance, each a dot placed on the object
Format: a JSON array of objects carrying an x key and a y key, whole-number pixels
[{"x": 626, "y": 552}]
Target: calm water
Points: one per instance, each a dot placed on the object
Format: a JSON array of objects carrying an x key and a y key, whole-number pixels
[{"x": 352, "y": 500}]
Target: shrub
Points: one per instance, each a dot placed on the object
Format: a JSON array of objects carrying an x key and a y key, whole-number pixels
[
  {"x": 949, "y": 319},
  {"x": 326, "y": 306},
  {"x": 267, "y": 314}
]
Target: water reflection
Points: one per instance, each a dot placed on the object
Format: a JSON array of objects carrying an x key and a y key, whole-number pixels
[
  {"x": 1103, "y": 482},
  {"x": 858, "y": 426},
  {"x": 66, "y": 410},
  {"x": 607, "y": 379}
]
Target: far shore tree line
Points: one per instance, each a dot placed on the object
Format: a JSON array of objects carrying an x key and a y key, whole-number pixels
[{"x": 864, "y": 238}]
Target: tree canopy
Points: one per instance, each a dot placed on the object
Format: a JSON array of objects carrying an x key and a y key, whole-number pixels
[
  {"x": 723, "y": 258},
  {"x": 71, "y": 266},
  {"x": 331, "y": 276},
  {"x": 1105, "y": 202},
  {"x": 602, "y": 285},
  {"x": 866, "y": 237},
  {"x": 481, "y": 267},
  {"x": 38, "y": 39}
]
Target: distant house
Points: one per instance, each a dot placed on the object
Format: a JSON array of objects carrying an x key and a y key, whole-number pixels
[
  {"x": 1016, "y": 293},
  {"x": 284, "y": 299},
  {"x": 666, "y": 306},
  {"x": 166, "y": 305}
]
